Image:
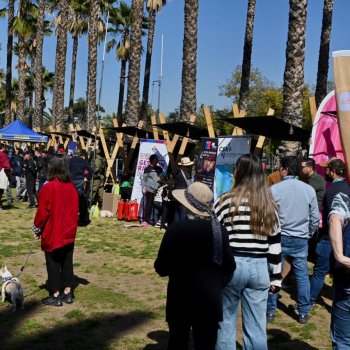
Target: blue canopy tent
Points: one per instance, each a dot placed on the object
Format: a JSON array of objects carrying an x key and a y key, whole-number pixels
[{"x": 17, "y": 131}]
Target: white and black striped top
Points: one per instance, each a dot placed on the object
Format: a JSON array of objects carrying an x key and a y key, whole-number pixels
[{"x": 242, "y": 240}]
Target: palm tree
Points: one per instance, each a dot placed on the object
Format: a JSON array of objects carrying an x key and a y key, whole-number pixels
[
  {"x": 10, "y": 19},
  {"x": 247, "y": 56},
  {"x": 92, "y": 61},
  {"x": 38, "y": 81},
  {"x": 323, "y": 58},
  {"x": 293, "y": 84},
  {"x": 133, "y": 95},
  {"x": 153, "y": 6},
  {"x": 23, "y": 25},
  {"x": 60, "y": 62},
  {"x": 120, "y": 24},
  {"x": 189, "y": 62},
  {"x": 77, "y": 25}
]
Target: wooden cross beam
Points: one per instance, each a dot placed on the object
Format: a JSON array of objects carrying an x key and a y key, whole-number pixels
[
  {"x": 154, "y": 128},
  {"x": 169, "y": 144},
  {"x": 185, "y": 140},
  {"x": 81, "y": 138},
  {"x": 209, "y": 120},
  {"x": 237, "y": 114},
  {"x": 133, "y": 146},
  {"x": 260, "y": 144}
]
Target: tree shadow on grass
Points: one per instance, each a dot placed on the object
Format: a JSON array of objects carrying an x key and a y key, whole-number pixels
[
  {"x": 279, "y": 339},
  {"x": 9, "y": 320},
  {"x": 87, "y": 333}
]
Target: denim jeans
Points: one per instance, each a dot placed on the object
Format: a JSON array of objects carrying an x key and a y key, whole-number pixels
[
  {"x": 340, "y": 321},
  {"x": 321, "y": 268},
  {"x": 297, "y": 249},
  {"x": 157, "y": 211},
  {"x": 249, "y": 285}
]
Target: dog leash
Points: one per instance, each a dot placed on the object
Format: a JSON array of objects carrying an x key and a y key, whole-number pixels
[{"x": 27, "y": 258}]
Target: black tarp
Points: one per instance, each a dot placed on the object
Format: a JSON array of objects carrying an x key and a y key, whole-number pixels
[
  {"x": 271, "y": 127},
  {"x": 184, "y": 129}
]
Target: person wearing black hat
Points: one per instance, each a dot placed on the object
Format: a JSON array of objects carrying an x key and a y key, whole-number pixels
[
  {"x": 195, "y": 254},
  {"x": 335, "y": 173}
]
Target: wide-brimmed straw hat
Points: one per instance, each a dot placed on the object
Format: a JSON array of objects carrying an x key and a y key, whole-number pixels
[
  {"x": 201, "y": 192},
  {"x": 185, "y": 161}
]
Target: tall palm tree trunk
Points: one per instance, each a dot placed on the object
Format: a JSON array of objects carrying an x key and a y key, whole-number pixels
[
  {"x": 72, "y": 77},
  {"x": 121, "y": 88},
  {"x": 147, "y": 75},
  {"x": 133, "y": 94},
  {"x": 92, "y": 59},
  {"x": 60, "y": 66},
  {"x": 188, "y": 103},
  {"x": 10, "y": 15},
  {"x": 38, "y": 79},
  {"x": 21, "y": 99},
  {"x": 247, "y": 56},
  {"x": 294, "y": 70},
  {"x": 323, "y": 58}
]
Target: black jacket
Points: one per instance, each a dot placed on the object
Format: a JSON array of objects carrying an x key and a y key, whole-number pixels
[
  {"x": 41, "y": 163},
  {"x": 79, "y": 168},
  {"x": 30, "y": 169},
  {"x": 195, "y": 282}
]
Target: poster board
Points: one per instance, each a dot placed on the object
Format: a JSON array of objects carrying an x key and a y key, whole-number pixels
[
  {"x": 205, "y": 171},
  {"x": 230, "y": 148},
  {"x": 147, "y": 148}
]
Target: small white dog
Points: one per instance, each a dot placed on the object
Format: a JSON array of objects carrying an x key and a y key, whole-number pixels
[{"x": 11, "y": 289}]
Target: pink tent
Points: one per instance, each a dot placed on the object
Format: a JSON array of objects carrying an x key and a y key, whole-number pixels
[{"x": 325, "y": 138}]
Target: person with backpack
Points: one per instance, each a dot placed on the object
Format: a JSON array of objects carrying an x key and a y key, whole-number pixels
[{"x": 30, "y": 171}]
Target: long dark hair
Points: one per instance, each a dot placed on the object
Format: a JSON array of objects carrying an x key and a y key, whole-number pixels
[
  {"x": 251, "y": 188},
  {"x": 58, "y": 169}
]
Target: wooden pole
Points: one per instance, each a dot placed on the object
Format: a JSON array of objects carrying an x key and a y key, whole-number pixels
[
  {"x": 154, "y": 128},
  {"x": 313, "y": 108},
  {"x": 209, "y": 120}
]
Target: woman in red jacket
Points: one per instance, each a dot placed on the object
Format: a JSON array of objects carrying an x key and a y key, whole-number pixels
[{"x": 56, "y": 222}]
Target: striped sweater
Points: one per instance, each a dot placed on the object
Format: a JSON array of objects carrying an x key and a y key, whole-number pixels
[{"x": 242, "y": 240}]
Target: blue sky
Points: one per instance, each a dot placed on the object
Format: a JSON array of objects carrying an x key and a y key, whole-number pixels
[{"x": 220, "y": 48}]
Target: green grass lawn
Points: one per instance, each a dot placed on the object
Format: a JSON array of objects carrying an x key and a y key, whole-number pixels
[{"x": 119, "y": 299}]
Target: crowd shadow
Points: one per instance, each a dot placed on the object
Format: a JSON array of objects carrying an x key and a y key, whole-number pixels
[
  {"x": 161, "y": 339},
  {"x": 279, "y": 339},
  {"x": 90, "y": 333}
]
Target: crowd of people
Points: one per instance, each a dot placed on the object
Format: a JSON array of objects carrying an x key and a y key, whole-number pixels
[
  {"x": 235, "y": 251},
  {"x": 24, "y": 172},
  {"x": 271, "y": 232}
]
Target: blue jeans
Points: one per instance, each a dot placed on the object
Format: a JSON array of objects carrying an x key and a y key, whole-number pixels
[
  {"x": 249, "y": 285},
  {"x": 297, "y": 249},
  {"x": 321, "y": 268},
  {"x": 340, "y": 321}
]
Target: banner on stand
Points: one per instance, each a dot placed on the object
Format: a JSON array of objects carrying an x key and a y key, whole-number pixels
[
  {"x": 147, "y": 148},
  {"x": 229, "y": 150},
  {"x": 205, "y": 171}
]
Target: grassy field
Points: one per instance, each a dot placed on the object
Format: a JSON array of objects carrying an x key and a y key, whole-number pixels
[{"x": 120, "y": 301}]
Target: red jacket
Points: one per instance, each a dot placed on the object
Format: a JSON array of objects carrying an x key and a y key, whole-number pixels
[
  {"x": 4, "y": 161},
  {"x": 57, "y": 214}
]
